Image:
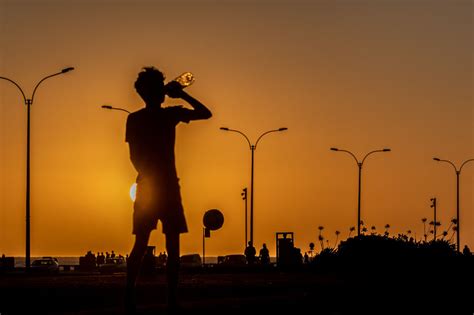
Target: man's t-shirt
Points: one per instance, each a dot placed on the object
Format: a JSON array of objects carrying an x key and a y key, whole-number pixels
[{"x": 151, "y": 134}]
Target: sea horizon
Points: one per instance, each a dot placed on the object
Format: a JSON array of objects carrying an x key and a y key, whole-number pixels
[{"x": 74, "y": 260}]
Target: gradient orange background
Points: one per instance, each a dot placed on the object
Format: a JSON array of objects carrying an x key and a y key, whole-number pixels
[{"x": 359, "y": 75}]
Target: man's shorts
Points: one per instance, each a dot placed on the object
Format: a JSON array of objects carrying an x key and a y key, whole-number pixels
[{"x": 158, "y": 202}]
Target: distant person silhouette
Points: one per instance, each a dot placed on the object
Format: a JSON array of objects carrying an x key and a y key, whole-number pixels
[
  {"x": 264, "y": 255},
  {"x": 250, "y": 253},
  {"x": 150, "y": 134},
  {"x": 100, "y": 259},
  {"x": 466, "y": 251}
]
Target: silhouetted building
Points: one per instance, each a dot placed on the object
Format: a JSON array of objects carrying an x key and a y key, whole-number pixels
[{"x": 287, "y": 254}]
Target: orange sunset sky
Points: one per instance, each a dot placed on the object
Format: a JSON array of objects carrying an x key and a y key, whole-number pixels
[{"x": 358, "y": 75}]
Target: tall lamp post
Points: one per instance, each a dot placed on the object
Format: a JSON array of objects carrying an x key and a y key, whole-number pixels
[
  {"x": 458, "y": 172},
  {"x": 244, "y": 198},
  {"x": 252, "y": 148},
  {"x": 360, "y": 164},
  {"x": 28, "y": 103}
]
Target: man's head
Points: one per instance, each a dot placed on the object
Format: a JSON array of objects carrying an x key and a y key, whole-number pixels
[{"x": 150, "y": 86}]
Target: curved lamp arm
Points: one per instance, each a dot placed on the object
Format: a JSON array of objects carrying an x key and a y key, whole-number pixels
[
  {"x": 22, "y": 93},
  {"x": 447, "y": 161},
  {"x": 464, "y": 163},
  {"x": 47, "y": 77},
  {"x": 240, "y": 132},
  {"x": 115, "y": 108},
  {"x": 267, "y": 132},
  {"x": 375, "y": 151},
  {"x": 349, "y": 152}
]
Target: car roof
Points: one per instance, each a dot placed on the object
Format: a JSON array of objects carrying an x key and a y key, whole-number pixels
[{"x": 43, "y": 260}]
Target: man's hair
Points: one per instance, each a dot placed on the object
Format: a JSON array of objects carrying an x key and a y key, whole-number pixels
[{"x": 149, "y": 78}]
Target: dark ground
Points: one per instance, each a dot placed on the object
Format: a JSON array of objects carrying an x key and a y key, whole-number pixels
[{"x": 245, "y": 292}]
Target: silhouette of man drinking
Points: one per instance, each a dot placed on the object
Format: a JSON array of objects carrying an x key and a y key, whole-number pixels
[{"x": 150, "y": 134}]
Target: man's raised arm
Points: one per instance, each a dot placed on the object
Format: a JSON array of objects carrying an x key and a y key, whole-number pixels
[{"x": 200, "y": 110}]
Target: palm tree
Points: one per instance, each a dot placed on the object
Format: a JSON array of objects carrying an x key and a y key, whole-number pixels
[
  {"x": 455, "y": 229},
  {"x": 454, "y": 222},
  {"x": 373, "y": 230},
  {"x": 434, "y": 224},
  {"x": 387, "y": 226},
  {"x": 445, "y": 233},
  {"x": 321, "y": 240},
  {"x": 364, "y": 229},
  {"x": 352, "y": 229},
  {"x": 320, "y": 228},
  {"x": 311, "y": 248},
  {"x": 424, "y": 228},
  {"x": 337, "y": 238}
]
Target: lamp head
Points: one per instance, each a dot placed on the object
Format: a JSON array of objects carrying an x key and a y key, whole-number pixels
[
  {"x": 334, "y": 149},
  {"x": 107, "y": 106},
  {"x": 436, "y": 159},
  {"x": 224, "y": 128},
  {"x": 67, "y": 69},
  {"x": 282, "y": 129},
  {"x": 387, "y": 150}
]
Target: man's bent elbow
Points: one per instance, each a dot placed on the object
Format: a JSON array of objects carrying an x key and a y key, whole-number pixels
[{"x": 208, "y": 115}]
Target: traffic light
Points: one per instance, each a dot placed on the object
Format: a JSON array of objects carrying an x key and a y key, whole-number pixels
[{"x": 244, "y": 193}]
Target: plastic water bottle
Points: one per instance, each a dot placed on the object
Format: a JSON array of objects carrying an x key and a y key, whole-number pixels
[{"x": 185, "y": 79}]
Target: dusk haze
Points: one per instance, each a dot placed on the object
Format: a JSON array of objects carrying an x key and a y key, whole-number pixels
[{"x": 332, "y": 81}]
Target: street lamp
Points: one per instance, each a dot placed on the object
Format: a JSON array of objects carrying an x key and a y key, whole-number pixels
[
  {"x": 133, "y": 188},
  {"x": 28, "y": 103},
  {"x": 115, "y": 108},
  {"x": 359, "y": 164},
  {"x": 252, "y": 147},
  {"x": 458, "y": 172}
]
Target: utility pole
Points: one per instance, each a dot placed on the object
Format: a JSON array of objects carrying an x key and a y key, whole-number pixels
[{"x": 244, "y": 198}]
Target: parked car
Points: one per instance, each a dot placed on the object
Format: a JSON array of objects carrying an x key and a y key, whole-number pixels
[
  {"x": 190, "y": 261},
  {"x": 234, "y": 260},
  {"x": 45, "y": 264},
  {"x": 113, "y": 265}
]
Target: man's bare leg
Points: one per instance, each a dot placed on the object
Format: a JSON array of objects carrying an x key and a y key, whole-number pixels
[
  {"x": 172, "y": 268},
  {"x": 133, "y": 268}
]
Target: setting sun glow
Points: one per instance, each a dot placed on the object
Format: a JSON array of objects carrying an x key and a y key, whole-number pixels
[{"x": 133, "y": 191}]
